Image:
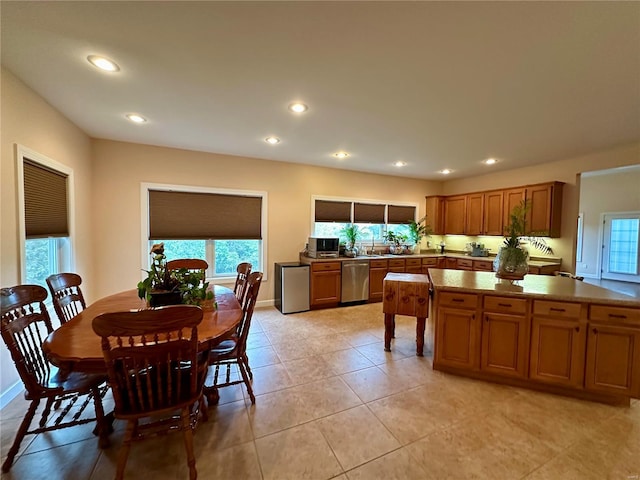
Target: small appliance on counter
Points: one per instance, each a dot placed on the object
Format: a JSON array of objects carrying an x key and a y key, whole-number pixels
[
  {"x": 478, "y": 250},
  {"x": 323, "y": 247}
]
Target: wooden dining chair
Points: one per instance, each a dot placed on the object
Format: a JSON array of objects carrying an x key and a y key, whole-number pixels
[
  {"x": 190, "y": 264},
  {"x": 234, "y": 350},
  {"x": 25, "y": 323},
  {"x": 66, "y": 295},
  {"x": 155, "y": 371},
  {"x": 240, "y": 289}
]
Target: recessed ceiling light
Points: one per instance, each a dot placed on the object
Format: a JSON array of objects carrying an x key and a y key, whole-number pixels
[
  {"x": 446, "y": 171},
  {"x": 103, "y": 63},
  {"x": 298, "y": 107},
  {"x": 341, "y": 155},
  {"x": 272, "y": 140},
  {"x": 490, "y": 161},
  {"x": 134, "y": 117},
  {"x": 399, "y": 163}
]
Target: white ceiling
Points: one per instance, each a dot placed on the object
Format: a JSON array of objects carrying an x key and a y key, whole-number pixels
[{"x": 435, "y": 84}]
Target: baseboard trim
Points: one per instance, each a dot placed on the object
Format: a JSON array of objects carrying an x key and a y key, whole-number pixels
[{"x": 10, "y": 393}]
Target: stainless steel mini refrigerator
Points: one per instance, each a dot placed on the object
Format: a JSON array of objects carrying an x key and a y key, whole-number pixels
[{"x": 292, "y": 287}]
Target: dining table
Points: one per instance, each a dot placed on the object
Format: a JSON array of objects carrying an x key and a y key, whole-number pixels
[{"x": 74, "y": 346}]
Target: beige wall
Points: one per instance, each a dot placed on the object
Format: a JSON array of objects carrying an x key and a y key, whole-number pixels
[
  {"x": 120, "y": 168},
  {"x": 564, "y": 171},
  {"x": 608, "y": 192},
  {"x": 26, "y": 119}
]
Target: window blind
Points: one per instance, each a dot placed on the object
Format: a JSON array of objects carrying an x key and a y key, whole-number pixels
[
  {"x": 400, "y": 214},
  {"x": 201, "y": 216},
  {"x": 327, "y": 211},
  {"x": 368, "y": 213},
  {"x": 45, "y": 201}
]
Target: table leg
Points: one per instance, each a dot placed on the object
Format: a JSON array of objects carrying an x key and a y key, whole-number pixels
[
  {"x": 420, "y": 327},
  {"x": 212, "y": 395},
  {"x": 389, "y": 330}
]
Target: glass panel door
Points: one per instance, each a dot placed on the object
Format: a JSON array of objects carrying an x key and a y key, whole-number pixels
[{"x": 620, "y": 247}]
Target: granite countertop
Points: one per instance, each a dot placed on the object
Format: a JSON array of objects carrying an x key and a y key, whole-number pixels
[{"x": 544, "y": 286}]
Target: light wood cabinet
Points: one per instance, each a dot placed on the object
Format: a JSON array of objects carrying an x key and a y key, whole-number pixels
[
  {"x": 464, "y": 264},
  {"x": 455, "y": 209},
  {"x": 505, "y": 337},
  {"x": 511, "y": 198},
  {"x": 396, "y": 265},
  {"x": 544, "y": 216},
  {"x": 558, "y": 341},
  {"x": 457, "y": 331},
  {"x": 377, "y": 270},
  {"x": 325, "y": 284},
  {"x": 450, "y": 263},
  {"x": 413, "y": 265},
  {"x": 429, "y": 262},
  {"x": 483, "y": 265},
  {"x": 613, "y": 359},
  {"x": 493, "y": 216},
  {"x": 475, "y": 209},
  {"x": 435, "y": 214}
]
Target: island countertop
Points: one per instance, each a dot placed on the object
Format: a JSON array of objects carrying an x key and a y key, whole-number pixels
[{"x": 549, "y": 287}]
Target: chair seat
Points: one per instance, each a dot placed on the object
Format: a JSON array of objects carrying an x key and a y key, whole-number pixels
[{"x": 61, "y": 382}]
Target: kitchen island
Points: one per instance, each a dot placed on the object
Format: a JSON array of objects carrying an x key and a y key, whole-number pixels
[{"x": 548, "y": 333}]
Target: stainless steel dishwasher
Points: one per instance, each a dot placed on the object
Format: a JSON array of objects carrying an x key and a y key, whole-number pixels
[{"x": 355, "y": 281}]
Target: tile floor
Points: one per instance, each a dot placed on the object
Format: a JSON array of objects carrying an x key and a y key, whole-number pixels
[{"x": 332, "y": 404}]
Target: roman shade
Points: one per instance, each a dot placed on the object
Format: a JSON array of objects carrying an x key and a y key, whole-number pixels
[
  {"x": 368, "y": 213},
  {"x": 202, "y": 216},
  {"x": 45, "y": 201},
  {"x": 400, "y": 214},
  {"x": 327, "y": 211}
]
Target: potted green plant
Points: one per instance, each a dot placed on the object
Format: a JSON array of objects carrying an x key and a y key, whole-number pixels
[
  {"x": 397, "y": 242},
  {"x": 512, "y": 260},
  {"x": 194, "y": 290},
  {"x": 418, "y": 230},
  {"x": 352, "y": 233},
  {"x": 161, "y": 287}
]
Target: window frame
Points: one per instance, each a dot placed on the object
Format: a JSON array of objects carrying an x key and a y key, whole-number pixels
[
  {"x": 65, "y": 259},
  {"x": 144, "y": 223}
]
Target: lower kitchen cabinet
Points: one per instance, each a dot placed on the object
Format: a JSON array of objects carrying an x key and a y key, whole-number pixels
[
  {"x": 396, "y": 265},
  {"x": 613, "y": 359},
  {"x": 505, "y": 337},
  {"x": 557, "y": 351},
  {"x": 377, "y": 271},
  {"x": 429, "y": 262},
  {"x": 325, "y": 284},
  {"x": 457, "y": 331},
  {"x": 413, "y": 265}
]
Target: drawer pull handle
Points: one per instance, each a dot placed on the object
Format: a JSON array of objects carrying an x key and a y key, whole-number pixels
[
  {"x": 457, "y": 300},
  {"x": 553, "y": 309},
  {"x": 615, "y": 315},
  {"x": 504, "y": 305}
]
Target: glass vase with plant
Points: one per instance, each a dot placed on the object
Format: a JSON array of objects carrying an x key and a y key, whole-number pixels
[
  {"x": 161, "y": 287},
  {"x": 351, "y": 233},
  {"x": 397, "y": 241},
  {"x": 512, "y": 260},
  {"x": 418, "y": 230}
]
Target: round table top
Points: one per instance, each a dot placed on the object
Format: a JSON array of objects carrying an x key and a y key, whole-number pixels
[{"x": 75, "y": 346}]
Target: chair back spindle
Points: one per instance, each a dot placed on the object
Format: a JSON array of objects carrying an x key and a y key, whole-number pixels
[{"x": 66, "y": 294}]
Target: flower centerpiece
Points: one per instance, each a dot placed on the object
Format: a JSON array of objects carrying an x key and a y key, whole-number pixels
[{"x": 512, "y": 260}]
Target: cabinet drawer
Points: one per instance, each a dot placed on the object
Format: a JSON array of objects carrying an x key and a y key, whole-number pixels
[
  {"x": 413, "y": 262},
  {"x": 462, "y": 300},
  {"x": 325, "y": 266},
  {"x": 483, "y": 265},
  {"x": 505, "y": 304},
  {"x": 430, "y": 262},
  {"x": 612, "y": 314},
  {"x": 556, "y": 309},
  {"x": 396, "y": 262},
  {"x": 465, "y": 264},
  {"x": 378, "y": 264}
]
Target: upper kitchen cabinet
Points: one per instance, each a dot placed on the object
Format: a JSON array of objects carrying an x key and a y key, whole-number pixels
[
  {"x": 492, "y": 222},
  {"x": 435, "y": 214},
  {"x": 544, "y": 216},
  {"x": 455, "y": 209},
  {"x": 512, "y": 198},
  {"x": 475, "y": 211}
]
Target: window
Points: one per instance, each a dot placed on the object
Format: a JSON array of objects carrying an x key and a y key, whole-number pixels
[
  {"x": 46, "y": 194},
  {"x": 222, "y": 227},
  {"x": 373, "y": 220}
]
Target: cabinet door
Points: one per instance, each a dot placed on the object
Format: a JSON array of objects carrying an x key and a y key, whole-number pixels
[
  {"x": 557, "y": 351},
  {"x": 376, "y": 283},
  {"x": 504, "y": 344},
  {"x": 613, "y": 360},
  {"x": 325, "y": 288},
  {"x": 396, "y": 265},
  {"x": 451, "y": 263},
  {"x": 545, "y": 202},
  {"x": 435, "y": 214},
  {"x": 493, "y": 205},
  {"x": 456, "y": 338},
  {"x": 511, "y": 198},
  {"x": 455, "y": 214},
  {"x": 475, "y": 205}
]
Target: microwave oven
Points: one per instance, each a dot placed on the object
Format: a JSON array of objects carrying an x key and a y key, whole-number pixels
[{"x": 324, "y": 247}]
